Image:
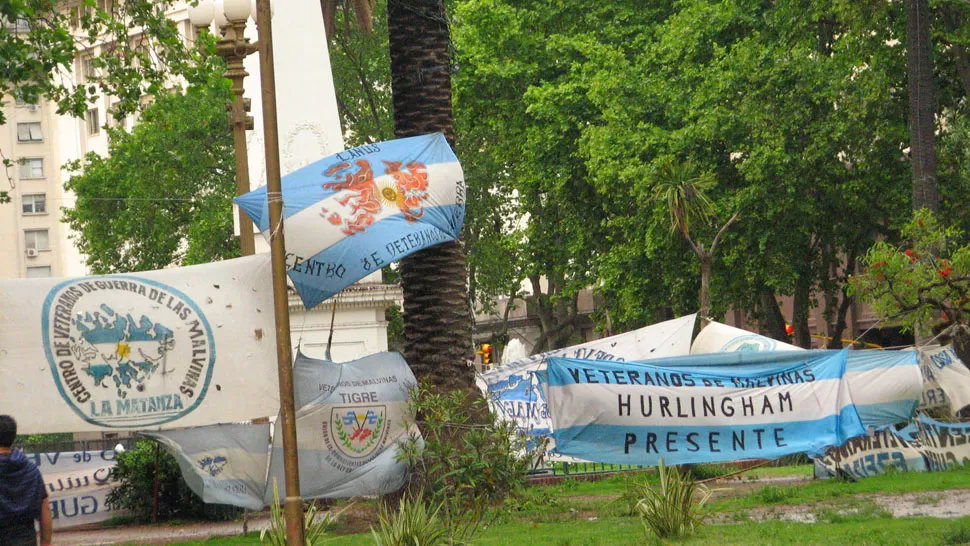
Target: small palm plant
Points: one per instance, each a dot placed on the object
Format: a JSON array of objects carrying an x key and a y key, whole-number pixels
[
  {"x": 415, "y": 523},
  {"x": 676, "y": 507},
  {"x": 315, "y": 525}
]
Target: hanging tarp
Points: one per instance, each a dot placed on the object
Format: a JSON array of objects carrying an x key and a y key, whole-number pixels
[
  {"x": 352, "y": 213},
  {"x": 154, "y": 350},
  {"x": 513, "y": 390},
  {"x": 640, "y": 413},
  {"x": 946, "y": 379},
  {"x": 222, "y": 464},
  {"x": 886, "y": 385},
  {"x": 350, "y": 420}
]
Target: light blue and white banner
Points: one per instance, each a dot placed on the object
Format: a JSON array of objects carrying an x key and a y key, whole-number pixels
[
  {"x": 872, "y": 455},
  {"x": 513, "y": 390},
  {"x": 683, "y": 412},
  {"x": 222, "y": 464},
  {"x": 78, "y": 483},
  {"x": 354, "y": 212},
  {"x": 946, "y": 379},
  {"x": 945, "y": 444},
  {"x": 350, "y": 420},
  {"x": 885, "y": 385}
]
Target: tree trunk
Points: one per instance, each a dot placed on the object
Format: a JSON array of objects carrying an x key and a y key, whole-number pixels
[
  {"x": 922, "y": 105},
  {"x": 705, "y": 296},
  {"x": 772, "y": 319},
  {"x": 801, "y": 305},
  {"x": 437, "y": 315}
]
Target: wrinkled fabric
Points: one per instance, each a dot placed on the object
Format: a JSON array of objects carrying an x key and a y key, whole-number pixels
[{"x": 21, "y": 490}]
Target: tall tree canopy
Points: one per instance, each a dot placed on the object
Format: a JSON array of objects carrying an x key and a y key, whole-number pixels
[
  {"x": 163, "y": 195},
  {"x": 43, "y": 41}
]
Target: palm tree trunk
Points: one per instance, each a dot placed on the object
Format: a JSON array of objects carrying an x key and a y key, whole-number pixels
[
  {"x": 437, "y": 314},
  {"x": 922, "y": 105}
]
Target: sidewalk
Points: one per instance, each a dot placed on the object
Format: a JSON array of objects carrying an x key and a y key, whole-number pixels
[{"x": 161, "y": 533}]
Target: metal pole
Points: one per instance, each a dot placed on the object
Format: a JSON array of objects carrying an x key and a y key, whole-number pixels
[
  {"x": 293, "y": 505},
  {"x": 230, "y": 50}
]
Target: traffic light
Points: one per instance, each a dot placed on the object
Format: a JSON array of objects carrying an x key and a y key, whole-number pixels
[{"x": 486, "y": 351}]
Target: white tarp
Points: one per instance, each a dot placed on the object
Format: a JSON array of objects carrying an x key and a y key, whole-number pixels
[
  {"x": 514, "y": 392},
  {"x": 222, "y": 464},
  {"x": 154, "y": 350},
  {"x": 78, "y": 483},
  {"x": 946, "y": 379},
  {"x": 350, "y": 420}
]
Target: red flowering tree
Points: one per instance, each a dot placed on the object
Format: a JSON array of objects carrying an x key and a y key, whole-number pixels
[{"x": 923, "y": 283}]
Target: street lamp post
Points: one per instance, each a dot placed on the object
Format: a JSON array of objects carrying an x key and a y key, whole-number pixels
[
  {"x": 233, "y": 47},
  {"x": 236, "y": 12}
]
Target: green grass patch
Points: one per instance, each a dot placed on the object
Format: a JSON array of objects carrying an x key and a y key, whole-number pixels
[{"x": 627, "y": 532}]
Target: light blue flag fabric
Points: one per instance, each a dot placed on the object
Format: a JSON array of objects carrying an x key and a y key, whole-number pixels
[
  {"x": 352, "y": 213},
  {"x": 222, "y": 464},
  {"x": 350, "y": 420},
  {"x": 638, "y": 413}
]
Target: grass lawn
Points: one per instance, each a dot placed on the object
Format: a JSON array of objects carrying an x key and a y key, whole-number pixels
[{"x": 579, "y": 513}]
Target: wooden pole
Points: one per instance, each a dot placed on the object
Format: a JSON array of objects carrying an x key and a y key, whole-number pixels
[{"x": 293, "y": 504}]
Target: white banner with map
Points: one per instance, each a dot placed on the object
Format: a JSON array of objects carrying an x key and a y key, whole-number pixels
[{"x": 154, "y": 350}]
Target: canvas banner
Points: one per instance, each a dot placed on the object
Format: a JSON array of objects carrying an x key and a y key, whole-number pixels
[
  {"x": 944, "y": 444},
  {"x": 641, "y": 413},
  {"x": 153, "y": 350},
  {"x": 513, "y": 390},
  {"x": 350, "y": 419},
  {"x": 885, "y": 385},
  {"x": 78, "y": 483},
  {"x": 222, "y": 464},
  {"x": 946, "y": 378},
  {"x": 872, "y": 455},
  {"x": 354, "y": 212}
]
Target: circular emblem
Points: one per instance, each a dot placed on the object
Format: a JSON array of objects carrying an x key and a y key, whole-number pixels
[
  {"x": 749, "y": 343},
  {"x": 127, "y": 352},
  {"x": 356, "y": 432}
]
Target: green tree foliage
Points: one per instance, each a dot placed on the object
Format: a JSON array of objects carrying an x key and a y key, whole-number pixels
[
  {"x": 135, "y": 488},
  {"x": 923, "y": 281},
  {"x": 462, "y": 467},
  {"x": 42, "y": 40},
  {"x": 163, "y": 195}
]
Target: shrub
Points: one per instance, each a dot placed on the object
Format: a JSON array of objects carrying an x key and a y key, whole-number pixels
[
  {"x": 413, "y": 523},
  {"x": 467, "y": 462},
  {"x": 671, "y": 510},
  {"x": 135, "y": 473},
  {"x": 776, "y": 495}
]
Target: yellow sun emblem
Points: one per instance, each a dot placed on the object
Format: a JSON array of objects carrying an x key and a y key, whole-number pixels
[
  {"x": 123, "y": 350},
  {"x": 388, "y": 194}
]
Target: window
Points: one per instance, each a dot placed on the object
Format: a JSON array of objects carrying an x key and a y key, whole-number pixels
[
  {"x": 88, "y": 69},
  {"x": 94, "y": 123},
  {"x": 29, "y": 132},
  {"x": 36, "y": 239},
  {"x": 38, "y": 272},
  {"x": 31, "y": 167},
  {"x": 34, "y": 203}
]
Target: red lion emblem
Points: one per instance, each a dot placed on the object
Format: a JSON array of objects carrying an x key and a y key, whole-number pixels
[{"x": 364, "y": 196}]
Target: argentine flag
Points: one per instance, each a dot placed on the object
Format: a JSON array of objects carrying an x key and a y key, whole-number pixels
[{"x": 356, "y": 211}]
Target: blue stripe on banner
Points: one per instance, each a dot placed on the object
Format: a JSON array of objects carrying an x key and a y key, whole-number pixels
[
  {"x": 643, "y": 445},
  {"x": 304, "y": 187},
  {"x": 341, "y": 265},
  {"x": 808, "y": 368},
  {"x": 895, "y": 411}
]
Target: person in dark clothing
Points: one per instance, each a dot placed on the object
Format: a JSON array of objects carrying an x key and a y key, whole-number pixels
[{"x": 23, "y": 495}]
